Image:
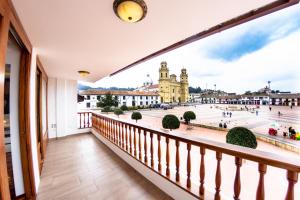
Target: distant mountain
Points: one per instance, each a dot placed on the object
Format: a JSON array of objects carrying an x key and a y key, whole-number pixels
[{"x": 85, "y": 87}]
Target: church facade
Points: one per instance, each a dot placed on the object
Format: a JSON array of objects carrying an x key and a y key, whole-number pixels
[{"x": 171, "y": 90}]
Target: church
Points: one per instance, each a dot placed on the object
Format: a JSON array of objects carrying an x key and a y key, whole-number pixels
[{"x": 171, "y": 90}]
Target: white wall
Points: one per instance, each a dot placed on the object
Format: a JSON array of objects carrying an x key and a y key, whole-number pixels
[{"x": 62, "y": 110}]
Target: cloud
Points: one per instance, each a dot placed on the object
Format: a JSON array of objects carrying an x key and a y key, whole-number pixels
[{"x": 239, "y": 59}]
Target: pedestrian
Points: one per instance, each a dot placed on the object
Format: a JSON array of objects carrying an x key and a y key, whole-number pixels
[
  {"x": 224, "y": 114},
  {"x": 230, "y": 114},
  {"x": 257, "y": 113},
  {"x": 270, "y": 108},
  {"x": 291, "y": 106},
  {"x": 279, "y": 113}
]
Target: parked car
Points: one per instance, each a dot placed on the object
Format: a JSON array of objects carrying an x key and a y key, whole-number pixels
[{"x": 165, "y": 106}]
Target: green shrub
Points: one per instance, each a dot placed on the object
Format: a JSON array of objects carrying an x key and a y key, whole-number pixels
[
  {"x": 136, "y": 116},
  {"x": 241, "y": 136},
  {"x": 124, "y": 107},
  {"x": 170, "y": 122},
  {"x": 188, "y": 116},
  {"x": 106, "y": 109},
  {"x": 132, "y": 108},
  {"x": 118, "y": 112}
]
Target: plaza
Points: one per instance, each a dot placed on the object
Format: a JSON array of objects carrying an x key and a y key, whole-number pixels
[{"x": 212, "y": 115}]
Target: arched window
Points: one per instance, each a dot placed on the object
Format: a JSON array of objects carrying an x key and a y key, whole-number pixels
[{"x": 161, "y": 74}]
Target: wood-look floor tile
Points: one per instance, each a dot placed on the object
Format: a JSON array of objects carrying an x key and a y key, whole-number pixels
[{"x": 82, "y": 168}]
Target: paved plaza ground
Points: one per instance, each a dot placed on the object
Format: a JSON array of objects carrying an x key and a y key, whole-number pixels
[
  {"x": 275, "y": 179},
  {"x": 212, "y": 115}
]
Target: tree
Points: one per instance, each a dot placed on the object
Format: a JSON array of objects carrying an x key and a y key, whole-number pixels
[
  {"x": 118, "y": 112},
  {"x": 170, "y": 122},
  {"x": 188, "y": 116},
  {"x": 106, "y": 109},
  {"x": 124, "y": 107},
  {"x": 241, "y": 136},
  {"x": 136, "y": 116},
  {"x": 108, "y": 100}
]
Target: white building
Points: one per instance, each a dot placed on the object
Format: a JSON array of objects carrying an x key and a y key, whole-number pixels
[{"x": 128, "y": 98}]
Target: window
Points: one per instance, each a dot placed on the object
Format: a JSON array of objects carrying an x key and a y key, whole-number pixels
[
  {"x": 98, "y": 97},
  {"x": 88, "y": 105},
  {"x": 132, "y": 97},
  {"x": 173, "y": 90},
  {"x": 123, "y": 97},
  {"x": 88, "y": 97},
  {"x": 141, "y": 97},
  {"x": 146, "y": 102},
  {"x": 147, "y": 97},
  {"x": 161, "y": 74},
  {"x": 141, "y": 103}
]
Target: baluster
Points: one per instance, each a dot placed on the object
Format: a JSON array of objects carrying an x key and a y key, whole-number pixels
[
  {"x": 119, "y": 134},
  {"x": 125, "y": 135},
  {"x": 260, "y": 193},
  {"x": 177, "y": 160},
  {"x": 79, "y": 120},
  {"x": 88, "y": 120},
  {"x": 218, "y": 176},
  {"x": 145, "y": 147},
  {"x": 202, "y": 172},
  {"x": 292, "y": 178},
  {"x": 188, "y": 167},
  {"x": 110, "y": 131},
  {"x": 237, "y": 180},
  {"x": 83, "y": 120},
  {"x": 151, "y": 149},
  {"x": 134, "y": 141},
  {"x": 140, "y": 144},
  {"x": 115, "y": 132},
  {"x": 167, "y": 157},
  {"x": 130, "y": 139},
  {"x": 159, "y": 152}
]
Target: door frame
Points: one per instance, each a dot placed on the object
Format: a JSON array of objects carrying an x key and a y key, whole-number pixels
[
  {"x": 9, "y": 22},
  {"x": 43, "y": 136}
]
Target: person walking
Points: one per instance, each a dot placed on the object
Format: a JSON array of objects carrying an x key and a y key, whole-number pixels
[
  {"x": 270, "y": 108},
  {"x": 230, "y": 114},
  {"x": 257, "y": 113}
]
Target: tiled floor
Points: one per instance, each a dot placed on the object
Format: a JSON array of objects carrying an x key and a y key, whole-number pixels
[{"x": 81, "y": 167}]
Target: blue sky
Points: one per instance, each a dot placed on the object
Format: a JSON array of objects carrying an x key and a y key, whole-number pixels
[{"x": 239, "y": 59}]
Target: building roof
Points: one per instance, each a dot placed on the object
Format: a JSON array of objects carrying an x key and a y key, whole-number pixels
[
  {"x": 118, "y": 92},
  {"x": 286, "y": 95}
]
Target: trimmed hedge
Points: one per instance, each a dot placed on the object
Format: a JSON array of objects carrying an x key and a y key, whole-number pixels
[
  {"x": 106, "y": 109},
  {"x": 124, "y": 107},
  {"x": 170, "y": 122},
  {"x": 118, "y": 112},
  {"x": 136, "y": 116},
  {"x": 188, "y": 116},
  {"x": 241, "y": 136}
]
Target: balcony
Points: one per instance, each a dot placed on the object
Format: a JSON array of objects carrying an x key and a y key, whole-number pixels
[{"x": 182, "y": 166}]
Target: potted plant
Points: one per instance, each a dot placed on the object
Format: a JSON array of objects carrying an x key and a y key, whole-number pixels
[{"x": 170, "y": 122}]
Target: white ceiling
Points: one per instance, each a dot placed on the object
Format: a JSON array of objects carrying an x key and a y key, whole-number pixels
[{"x": 72, "y": 35}]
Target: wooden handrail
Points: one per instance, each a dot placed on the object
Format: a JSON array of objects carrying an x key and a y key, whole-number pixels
[
  {"x": 229, "y": 149},
  {"x": 119, "y": 132}
]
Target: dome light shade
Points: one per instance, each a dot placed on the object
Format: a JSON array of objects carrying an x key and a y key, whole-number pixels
[
  {"x": 130, "y": 10},
  {"x": 83, "y": 73}
]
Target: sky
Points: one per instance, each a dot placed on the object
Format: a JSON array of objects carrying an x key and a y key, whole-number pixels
[{"x": 239, "y": 59}]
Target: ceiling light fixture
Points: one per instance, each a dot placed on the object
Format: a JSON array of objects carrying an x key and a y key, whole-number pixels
[
  {"x": 130, "y": 10},
  {"x": 83, "y": 73}
]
